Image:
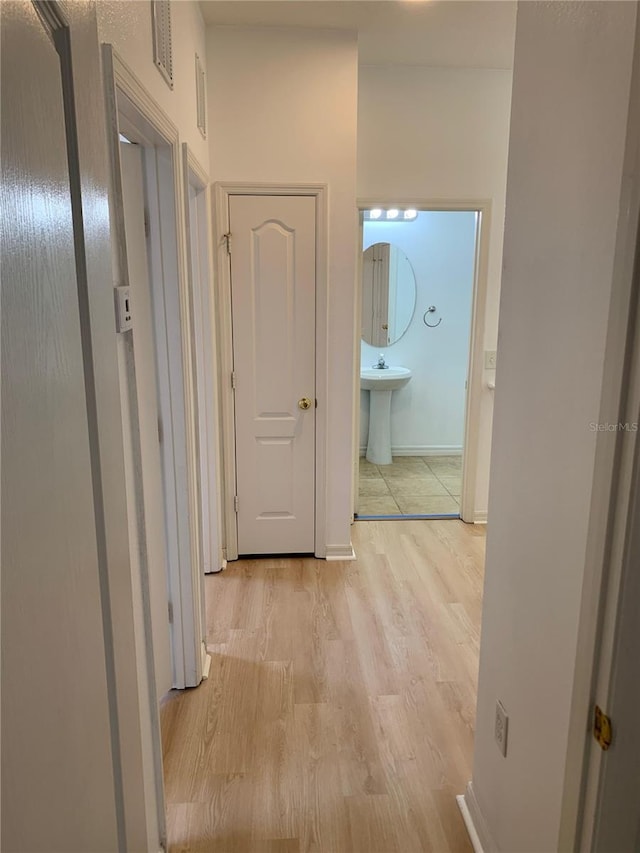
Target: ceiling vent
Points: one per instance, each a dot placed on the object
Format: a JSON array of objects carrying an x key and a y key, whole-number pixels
[
  {"x": 201, "y": 98},
  {"x": 161, "y": 27}
]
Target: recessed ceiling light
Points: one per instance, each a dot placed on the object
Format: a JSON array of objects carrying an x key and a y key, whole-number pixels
[{"x": 393, "y": 213}]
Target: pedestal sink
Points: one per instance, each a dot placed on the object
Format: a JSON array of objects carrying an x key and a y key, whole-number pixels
[{"x": 381, "y": 384}]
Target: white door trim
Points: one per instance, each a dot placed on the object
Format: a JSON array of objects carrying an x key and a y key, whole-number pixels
[
  {"x": 475, "y": 373},
  {"x": 196, "y": 178},
  {"x": 177, "y": 388},
  {"x": 221, "y": 227},
  {"x": 615, "y": 488}
]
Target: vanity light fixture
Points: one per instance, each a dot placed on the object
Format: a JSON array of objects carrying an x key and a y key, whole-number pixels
[{"x": 391, "y": 214}]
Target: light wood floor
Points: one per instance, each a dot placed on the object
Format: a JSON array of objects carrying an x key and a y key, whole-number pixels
[{"x": 338, "y": 715}]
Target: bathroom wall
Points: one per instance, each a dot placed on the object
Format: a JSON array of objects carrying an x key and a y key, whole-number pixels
[
  {"x": 427, "y": 415},
  {"x": 434, "y": 133}
]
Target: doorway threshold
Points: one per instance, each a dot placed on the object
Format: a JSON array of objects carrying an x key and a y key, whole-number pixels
[
  {"x": 407, "y": 517},
  {"x": 278, "y": 555}
]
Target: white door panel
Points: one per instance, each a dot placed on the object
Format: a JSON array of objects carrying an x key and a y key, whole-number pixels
[
  {"x": 273, "y": 267},
  {"x": 56, "y": 732},
  {"x": 150, "y": 516}
]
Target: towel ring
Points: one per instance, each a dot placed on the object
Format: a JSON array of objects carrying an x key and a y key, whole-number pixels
[{"x": 431, "y": 310}]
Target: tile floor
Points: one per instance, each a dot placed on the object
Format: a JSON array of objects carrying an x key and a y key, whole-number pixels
[{"x": 421, "y": 485}]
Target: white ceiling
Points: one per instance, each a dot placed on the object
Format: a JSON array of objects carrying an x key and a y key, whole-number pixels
[{"x": 451, "y": 33}]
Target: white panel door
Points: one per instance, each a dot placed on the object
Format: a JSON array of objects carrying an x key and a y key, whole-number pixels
[
  {"x": 150, "y": 509},
  {"x": 617, "y": 820},
  {"x": 273, "y": 284},
  {"x": 58, "y": 775}
]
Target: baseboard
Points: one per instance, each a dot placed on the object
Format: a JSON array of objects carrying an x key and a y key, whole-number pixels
[
  {"x": 480, "y": 517},
  {"x": 223, "y": 566},
  {"x": 423, "y": 450},
  {"x": 475, "y": 823},
  {"x": 206, "y": 662},
  {"x": 340, "y": 552},
  {"x": 468, "y": 822},
  {"x": 207, "y": 667}
]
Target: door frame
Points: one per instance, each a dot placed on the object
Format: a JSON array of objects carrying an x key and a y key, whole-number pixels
[
  {"x": 129, "y": 102},
  {"x": 223, "y": 191},
  {"x": 74, "y": 25},
  {"x": 208, "y": 395},
  {"x": 476, "y": 384},
  {"x": 610, "y": 582}
]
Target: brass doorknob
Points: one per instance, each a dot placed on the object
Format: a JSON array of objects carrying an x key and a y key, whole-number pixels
[{"x": 304, "y": 403}]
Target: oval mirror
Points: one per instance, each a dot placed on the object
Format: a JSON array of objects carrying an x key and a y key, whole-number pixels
[{"x": 388, "y": 294}]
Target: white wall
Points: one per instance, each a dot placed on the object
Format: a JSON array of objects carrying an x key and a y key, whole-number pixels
[
  {"x": 427, "y": 415},
  {"x": 440, "y": 133},
  {"x": 127, "y": 26},
  {"x": 568, "y": 130},
  {"x": 284, "y": 107}
]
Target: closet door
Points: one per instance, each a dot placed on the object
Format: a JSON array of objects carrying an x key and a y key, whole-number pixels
[{"x": 273, "y": 283}]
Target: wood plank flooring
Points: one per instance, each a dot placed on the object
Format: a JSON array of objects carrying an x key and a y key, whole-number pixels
[{"x": 338, "y": 715}]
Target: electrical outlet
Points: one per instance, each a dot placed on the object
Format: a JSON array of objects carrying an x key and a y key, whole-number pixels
[
  {"x": 489, "y": 359},
  {"x": 501, "y": 727}
]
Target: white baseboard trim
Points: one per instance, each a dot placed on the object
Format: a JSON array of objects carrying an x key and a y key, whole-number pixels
[
  {"x": 468, "y": 822},
  {"x": 223, "y": 566},
  {"x": 206, "y": 667},
  {"x": 340, "y": 552},
  {"x": 480, "y": 517},
  {"x": 475, "y": 823},
  {"x": 206, "y": 661},
  {"x": 423, "y": 450}
]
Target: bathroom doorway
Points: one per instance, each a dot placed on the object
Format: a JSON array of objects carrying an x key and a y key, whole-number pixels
[{"x": 420, "y": 277}]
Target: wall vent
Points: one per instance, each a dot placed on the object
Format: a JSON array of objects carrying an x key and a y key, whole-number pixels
[
  {"x": 201, "y": 97},
  {"x": 161, "y": 28}
]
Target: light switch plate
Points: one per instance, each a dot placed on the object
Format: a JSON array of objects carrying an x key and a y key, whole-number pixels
[{"x": 124, "y": 319}]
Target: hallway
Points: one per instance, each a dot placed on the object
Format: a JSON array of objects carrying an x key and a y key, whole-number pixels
[{"x": 338, "y": 714}]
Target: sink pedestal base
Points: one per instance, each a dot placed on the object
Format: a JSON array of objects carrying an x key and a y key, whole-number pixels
[{"x": 379, "y": 443}]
